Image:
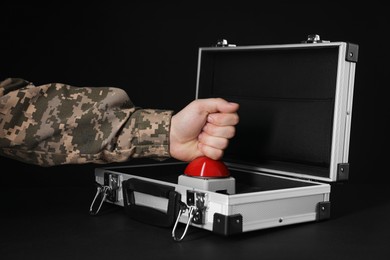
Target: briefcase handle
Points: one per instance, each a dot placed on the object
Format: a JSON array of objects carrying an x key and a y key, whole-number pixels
[{"x": 147, "y": 214}]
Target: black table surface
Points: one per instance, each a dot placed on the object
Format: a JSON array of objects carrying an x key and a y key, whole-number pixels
[{"x": 54, "y": 223}]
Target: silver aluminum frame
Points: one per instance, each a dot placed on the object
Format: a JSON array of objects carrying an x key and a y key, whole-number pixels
[
  {"x": 342, "y": 110},
  {"x": 259, "y": 210}
]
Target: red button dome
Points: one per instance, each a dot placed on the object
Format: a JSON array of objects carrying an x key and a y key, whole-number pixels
[{"x": 205, "y": 167}]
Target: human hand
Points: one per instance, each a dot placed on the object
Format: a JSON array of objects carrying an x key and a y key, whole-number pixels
[{"x": 203, "y": 128}]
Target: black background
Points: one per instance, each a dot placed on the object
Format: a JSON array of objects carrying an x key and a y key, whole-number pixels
[{"x": 150, "y": 49}]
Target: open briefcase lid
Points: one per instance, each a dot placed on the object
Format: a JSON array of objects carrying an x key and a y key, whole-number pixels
[{"x": 295, "y": 105}]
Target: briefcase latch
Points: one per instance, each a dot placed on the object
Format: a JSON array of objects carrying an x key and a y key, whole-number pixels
[{"x": 196, "y": 207}]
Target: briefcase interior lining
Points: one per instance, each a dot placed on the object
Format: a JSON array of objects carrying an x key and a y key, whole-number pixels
[{"x": 289, "y": 119}]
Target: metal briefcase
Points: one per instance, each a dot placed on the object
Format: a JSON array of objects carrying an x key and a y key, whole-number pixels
[{"x": 291, "y": 143}]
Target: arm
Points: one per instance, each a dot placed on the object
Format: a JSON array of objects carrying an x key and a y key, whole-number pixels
[{"x": 59, "y": 124}]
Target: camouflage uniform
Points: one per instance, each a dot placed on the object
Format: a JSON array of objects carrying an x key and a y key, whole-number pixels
[{"x": 56, "y": 124}]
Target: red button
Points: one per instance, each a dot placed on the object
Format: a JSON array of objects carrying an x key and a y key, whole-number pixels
[{"x": 206, "y": 168}]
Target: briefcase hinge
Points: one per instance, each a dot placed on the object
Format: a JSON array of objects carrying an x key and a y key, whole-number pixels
[
  {"x": 314, "y": 38},
  {"x": 223, "y": 43}
]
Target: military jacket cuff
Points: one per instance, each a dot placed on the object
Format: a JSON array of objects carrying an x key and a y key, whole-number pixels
[{"x": 146, "y": 133}]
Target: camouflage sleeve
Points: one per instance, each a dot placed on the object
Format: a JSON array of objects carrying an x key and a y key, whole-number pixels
[{"x": 55, "y": 124}]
